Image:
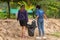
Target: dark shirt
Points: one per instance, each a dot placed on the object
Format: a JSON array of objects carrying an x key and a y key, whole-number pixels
[{"x": 22, "y": 15}]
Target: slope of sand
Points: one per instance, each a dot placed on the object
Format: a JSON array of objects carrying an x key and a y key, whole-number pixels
[{"x": 11, "y": 30}]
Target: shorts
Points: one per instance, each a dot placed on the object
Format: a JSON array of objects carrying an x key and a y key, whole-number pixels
[{"x": 23, "y": 22}]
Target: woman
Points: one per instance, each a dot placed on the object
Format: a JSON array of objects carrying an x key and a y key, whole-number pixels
[
  {"x": 40, "y": 20},
  {"x": 23, "y": 19}
]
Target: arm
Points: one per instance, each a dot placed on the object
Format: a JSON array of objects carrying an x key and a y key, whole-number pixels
[
  {"x": 37, "y": 16},
  {"x": 36, "y": 20},
  {"x": 45, "y": 16}
]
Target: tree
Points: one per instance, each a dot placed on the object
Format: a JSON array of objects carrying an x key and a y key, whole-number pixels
[{"x": 8, "y": 2}]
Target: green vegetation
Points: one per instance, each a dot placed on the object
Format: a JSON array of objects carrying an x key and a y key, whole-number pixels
[
  {"x": 51, "y": 7},
  {"x": 56, "y": 34},
  {"x": 13, "y": 16},
  {"x": 3, "y": 15}
]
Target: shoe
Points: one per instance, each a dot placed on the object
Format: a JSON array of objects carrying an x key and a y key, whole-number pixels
[
  {"x": 44, "y": 37},
  {"x": 38, "y": 38}
]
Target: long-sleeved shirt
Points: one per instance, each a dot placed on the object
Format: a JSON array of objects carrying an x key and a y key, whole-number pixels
[{"x": 22, "y": 15}]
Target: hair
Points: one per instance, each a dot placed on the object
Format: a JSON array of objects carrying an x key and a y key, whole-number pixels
[{"x": 38, "y": 6}]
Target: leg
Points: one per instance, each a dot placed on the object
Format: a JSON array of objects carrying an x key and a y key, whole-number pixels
[
  {"x": 39, "y": 28},
  {"x": 24, "y": 32},
  {"x": 22, "y": 28},
  {"x": 23, "y": 24},
  {"x": 25, "y": 28},
  {"x": 42, "y": 28}
]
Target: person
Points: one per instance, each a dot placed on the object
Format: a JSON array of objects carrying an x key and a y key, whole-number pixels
[
  {"x": 22, "y": 16},
  {"x": 40, "y": 20}
]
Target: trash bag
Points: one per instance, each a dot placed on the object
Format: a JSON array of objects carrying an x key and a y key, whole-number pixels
[
  {"x": 31, "y": 31},
  {"x": 31, "y": 28}
]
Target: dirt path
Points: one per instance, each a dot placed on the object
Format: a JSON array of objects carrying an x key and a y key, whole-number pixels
[{"x": 10, "y": 30}]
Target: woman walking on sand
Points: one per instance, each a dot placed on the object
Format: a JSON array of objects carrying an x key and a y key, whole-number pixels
[
  {"x": 40, "y": 21},
  {"x": 22, "y": 17}
]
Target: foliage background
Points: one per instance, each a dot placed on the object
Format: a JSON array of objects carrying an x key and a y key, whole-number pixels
[{"x": 51, "y": 7}]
